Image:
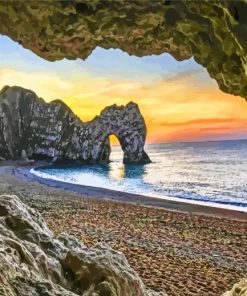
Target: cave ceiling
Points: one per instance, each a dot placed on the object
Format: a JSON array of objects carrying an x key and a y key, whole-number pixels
[{"x": 213, "y": 32}]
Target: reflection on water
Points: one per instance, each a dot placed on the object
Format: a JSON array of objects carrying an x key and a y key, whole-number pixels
[
  {"x": 119, "y": 171},
  {"x": 116, "y": 171},
  {"x": 209, "y": 172}
]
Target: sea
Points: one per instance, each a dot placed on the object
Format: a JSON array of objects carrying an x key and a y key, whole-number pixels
[{"x": 207, "y": 173}]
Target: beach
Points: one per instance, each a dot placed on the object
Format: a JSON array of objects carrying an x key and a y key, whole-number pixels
[{"x": 180, "y": 248}]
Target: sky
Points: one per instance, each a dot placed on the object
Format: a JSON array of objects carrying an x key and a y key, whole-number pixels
[{"x": 178, "y": 100}]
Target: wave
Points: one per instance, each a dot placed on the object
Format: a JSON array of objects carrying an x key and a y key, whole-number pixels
[{"x": 81, "y": 176}]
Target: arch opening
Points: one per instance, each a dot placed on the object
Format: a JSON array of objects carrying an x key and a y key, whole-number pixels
[
  {"x": 116, "y": 150},
  {"x": 116, "y": 166}
]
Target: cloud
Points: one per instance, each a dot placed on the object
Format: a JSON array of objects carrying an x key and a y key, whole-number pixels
[
  {"x": 205, "y": 122},
  {"x": 177, "y": 76},
  {"x": 123, "y": 87},
  {"x": 46, "y": 85}
]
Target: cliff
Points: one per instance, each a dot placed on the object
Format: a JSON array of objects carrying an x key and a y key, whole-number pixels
[
  {"x": 30, "y": 128},
  {"x": 34, "y": 262}
]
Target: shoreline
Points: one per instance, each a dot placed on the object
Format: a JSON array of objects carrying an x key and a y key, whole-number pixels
[
  {"x": 183, "y": 253},
  {"x": 23, "y": 172}
]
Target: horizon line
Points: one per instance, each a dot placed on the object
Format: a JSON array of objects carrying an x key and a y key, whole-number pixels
[
  {"x": 198, "y": 141},
  {"x": 187, "y": 142}
]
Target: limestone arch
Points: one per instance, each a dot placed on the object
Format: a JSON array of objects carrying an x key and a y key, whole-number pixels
[
  {"x": 115, "y": 144},
  {"x": 52, "y": 131},
  {"x": 128, "y": 125}
]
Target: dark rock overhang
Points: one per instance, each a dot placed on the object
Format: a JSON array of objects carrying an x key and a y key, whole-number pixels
[{"x": 213, "y": 32}]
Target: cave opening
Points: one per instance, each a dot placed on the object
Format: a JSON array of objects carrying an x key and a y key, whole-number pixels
[{"x": 180, "y": 103}]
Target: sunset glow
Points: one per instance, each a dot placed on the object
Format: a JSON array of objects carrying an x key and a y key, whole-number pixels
[{"x": 182, "y": 104}]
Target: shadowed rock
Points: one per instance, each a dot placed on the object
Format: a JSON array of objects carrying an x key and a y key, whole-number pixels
[
  {"x": 30, "y": 128},
  {"x": 213, "y": 32},
  {"x": 239, "y": 289},
  {"x": 33, "y": 262}
]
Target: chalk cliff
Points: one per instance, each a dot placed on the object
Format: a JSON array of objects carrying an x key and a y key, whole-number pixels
[{"x": 30, "y": 128}]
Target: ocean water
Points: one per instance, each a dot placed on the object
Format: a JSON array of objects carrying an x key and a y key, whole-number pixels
[{"x": 212, "y": 173}]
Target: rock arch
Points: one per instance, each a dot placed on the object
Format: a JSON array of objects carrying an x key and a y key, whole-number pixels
[
  {"x": 31, "y": 128},
  {"x": 128, "y": 125}
]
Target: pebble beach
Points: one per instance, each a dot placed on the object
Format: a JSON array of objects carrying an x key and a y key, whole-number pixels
[{"x": 181, "y": 253}]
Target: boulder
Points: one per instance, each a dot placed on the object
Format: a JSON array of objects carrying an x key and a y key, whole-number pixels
[
  {"x": 30, "y": 128},
  {"x": 34, "y": 262},
  {"x": 239, "y": 289}
]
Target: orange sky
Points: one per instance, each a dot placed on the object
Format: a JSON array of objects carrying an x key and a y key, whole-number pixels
[
  {"x": 181, "y": 109},
  {"x": 178, "y": 100},
  {"x": 174, "y": 110}
]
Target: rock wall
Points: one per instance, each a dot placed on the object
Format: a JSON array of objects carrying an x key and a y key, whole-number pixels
[
  {"x": 34, "y": 262},
  {"x": 213, "y": 32},
  {"x": 33, "y": 129}
]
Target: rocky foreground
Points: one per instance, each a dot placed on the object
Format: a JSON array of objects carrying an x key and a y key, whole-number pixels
[
  {"x": 35, "y": 262},
  {"x": 239, "y": 289}
]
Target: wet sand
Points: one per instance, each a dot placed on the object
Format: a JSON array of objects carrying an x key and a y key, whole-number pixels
[{"x": 183, "y": 250}]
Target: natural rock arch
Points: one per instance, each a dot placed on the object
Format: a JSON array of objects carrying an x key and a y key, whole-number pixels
[
  {"x": 33, "y": 129},
  {"x": 128, "y": 125}
]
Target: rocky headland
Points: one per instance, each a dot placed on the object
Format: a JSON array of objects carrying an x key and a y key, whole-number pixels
[{"x": 30, "y": 128}]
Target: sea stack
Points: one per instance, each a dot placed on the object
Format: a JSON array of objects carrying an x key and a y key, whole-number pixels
[{"x": 30, "y": 128}]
